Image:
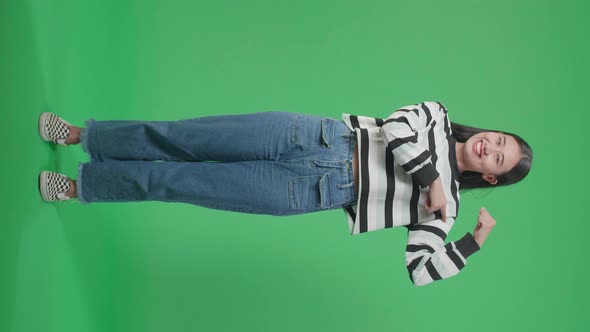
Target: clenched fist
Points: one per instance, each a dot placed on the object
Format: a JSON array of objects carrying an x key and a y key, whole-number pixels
[{"x": 485, "y": 223}]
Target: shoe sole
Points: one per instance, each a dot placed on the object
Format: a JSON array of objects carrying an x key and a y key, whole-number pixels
[
  {"x": 43, "y": 186},
  {"x": 42, "y": 131}
]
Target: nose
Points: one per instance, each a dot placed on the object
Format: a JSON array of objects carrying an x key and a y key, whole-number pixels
[{"x": 490, "y": 148}]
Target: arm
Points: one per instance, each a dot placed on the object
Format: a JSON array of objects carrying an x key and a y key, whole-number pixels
[
  {"x": 399, "y": 132},
  {"x": 428, "y": 258}
]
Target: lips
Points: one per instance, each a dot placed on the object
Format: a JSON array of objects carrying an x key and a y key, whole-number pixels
[{"x": 475, "y": 148}]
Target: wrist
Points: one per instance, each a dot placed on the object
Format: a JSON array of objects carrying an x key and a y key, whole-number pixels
[
  {"x": 478, "y": 240},
  {"x": 436, "y": 182},
  {"x": 479, "y": 237}
]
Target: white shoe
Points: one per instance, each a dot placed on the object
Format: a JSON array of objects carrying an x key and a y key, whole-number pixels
[
  {"x": 54, "y": 129},
  {"x": 54, "y": 186}
]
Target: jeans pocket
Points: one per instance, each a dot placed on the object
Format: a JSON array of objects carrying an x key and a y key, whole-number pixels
[
  {"x": 313, "y": 131},
  {"x": 310, "y": 192}
]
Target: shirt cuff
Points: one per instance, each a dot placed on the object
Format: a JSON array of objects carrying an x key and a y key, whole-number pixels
[
  {"x": 425, "y": 175},
  {"x": 467, "y": 245}
]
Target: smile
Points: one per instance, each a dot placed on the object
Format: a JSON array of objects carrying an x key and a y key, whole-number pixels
[{"x": 477, "y": 148}]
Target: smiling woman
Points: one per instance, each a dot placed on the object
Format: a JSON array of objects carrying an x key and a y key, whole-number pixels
[
  {"x": 383, "y": 173},
  {"x": 489, "y": 154},
  {"x": 489, "y": 158}
]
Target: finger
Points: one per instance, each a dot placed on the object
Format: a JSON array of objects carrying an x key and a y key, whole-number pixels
[
  {"x": 432, "y": 207},
  {"x": 485, "y": 220},
  {"x": 435, "y": 208},
  {"x": 444, "y": 213}
]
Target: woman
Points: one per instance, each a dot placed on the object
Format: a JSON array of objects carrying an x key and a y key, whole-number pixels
[{"x": 404, "y": 170}]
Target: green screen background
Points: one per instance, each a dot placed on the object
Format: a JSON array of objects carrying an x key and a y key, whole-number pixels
[{"x": 517, "y": 66}]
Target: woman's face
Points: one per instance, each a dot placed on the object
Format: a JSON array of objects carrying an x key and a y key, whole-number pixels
[{"x": 491, "y": 154}]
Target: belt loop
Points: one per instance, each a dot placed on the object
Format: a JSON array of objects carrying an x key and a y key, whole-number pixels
[{"x": 341, "y": 186}]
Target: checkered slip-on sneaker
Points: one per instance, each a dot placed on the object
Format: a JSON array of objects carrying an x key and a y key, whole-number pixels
[
  {"x": 54, "y": 129},
  {"x": 53, "y": 186}
]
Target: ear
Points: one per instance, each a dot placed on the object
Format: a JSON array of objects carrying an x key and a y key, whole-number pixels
[{"x": 490, "y": 178}]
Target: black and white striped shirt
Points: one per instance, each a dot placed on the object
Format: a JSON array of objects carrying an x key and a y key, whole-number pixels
[{"x": 399, "y": 157}]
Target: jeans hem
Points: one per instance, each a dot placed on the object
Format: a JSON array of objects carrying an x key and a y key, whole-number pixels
[
  {"x": 79, "y": 185},
  {"x": 84, "y": 137}
]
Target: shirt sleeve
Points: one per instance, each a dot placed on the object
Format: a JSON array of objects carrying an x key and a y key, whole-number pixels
[
  {"x": 428, "y": 258},
  {"x": 400, "y": 134}
]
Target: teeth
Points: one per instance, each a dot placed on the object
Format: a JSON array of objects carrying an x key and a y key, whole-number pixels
[{"x": 479, "y": 148}]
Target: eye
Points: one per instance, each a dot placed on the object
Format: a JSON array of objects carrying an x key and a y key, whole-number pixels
[
  {"x": 497, "y": 158},
  {"x": 499, "y": 140}
]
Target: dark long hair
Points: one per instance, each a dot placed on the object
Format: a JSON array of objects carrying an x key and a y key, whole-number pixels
[{"x": 472, "y": 180}]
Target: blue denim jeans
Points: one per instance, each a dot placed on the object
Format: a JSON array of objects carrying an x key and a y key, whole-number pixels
[{"x": 278, "y": 163}]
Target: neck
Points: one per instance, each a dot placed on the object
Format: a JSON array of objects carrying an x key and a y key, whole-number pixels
[{"x": 460, "y": 149}]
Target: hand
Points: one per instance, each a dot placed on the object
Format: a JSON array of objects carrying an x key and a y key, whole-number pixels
[
  {"x": 436, "y": 199},
  {"x": 485, "y": 224}
]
